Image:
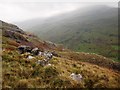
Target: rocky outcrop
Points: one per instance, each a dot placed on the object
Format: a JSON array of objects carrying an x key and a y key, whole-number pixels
[
  {"x": 11, "y": 27},
  {"x": 12, "y": 31}
]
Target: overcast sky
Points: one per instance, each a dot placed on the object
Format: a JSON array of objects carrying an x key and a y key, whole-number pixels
[{"x": 20, "y": 10}]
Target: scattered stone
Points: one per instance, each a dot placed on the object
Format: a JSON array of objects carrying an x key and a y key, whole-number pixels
[
  {"x": 49, "y": 55},
  {"x": 23, "y": 48},
  {"x": 25, "y": 55},
  {"x": 40, "y": 53},
  {"x": 49, "y": 64},
  {"x": 54, "y": 53},
  {"x": 45, "y": 60},
  {"x": 41, "y": 62},
  {"x": 27, "y": 51},
  {"x": 76, "y": 77},
  {"x": 35, "y": 51},
  {"x": 30, "y": 57}
]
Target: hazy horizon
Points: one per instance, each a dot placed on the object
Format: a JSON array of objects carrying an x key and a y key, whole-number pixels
[{"x": 18, "y": 12}]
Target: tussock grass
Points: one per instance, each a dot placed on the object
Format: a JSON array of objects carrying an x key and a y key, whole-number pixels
[{"x": 20, "y": 72}]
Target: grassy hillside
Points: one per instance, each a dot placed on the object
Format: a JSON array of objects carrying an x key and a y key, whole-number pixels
[
  {"x": 20, "y": 72},
  {"x": 94, "y": 30}
]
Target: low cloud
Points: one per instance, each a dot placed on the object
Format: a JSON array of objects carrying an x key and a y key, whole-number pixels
[{"x": 20, "y": 11}]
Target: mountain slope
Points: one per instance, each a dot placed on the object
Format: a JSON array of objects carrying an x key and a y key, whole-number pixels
[
  {"x": 21, "y": 72},
  {"x": 14, "y": 36},
  {"x": 93, "y": 29}
]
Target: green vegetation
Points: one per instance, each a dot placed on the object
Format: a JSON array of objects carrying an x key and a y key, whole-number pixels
[
  {"x": 115, "y": 47},
  {"x": 18, "y": 71},
  {"x": 93, "y": 30}
]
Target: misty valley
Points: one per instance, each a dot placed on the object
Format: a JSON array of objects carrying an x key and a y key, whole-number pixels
[{"x": 76, "y": 49}]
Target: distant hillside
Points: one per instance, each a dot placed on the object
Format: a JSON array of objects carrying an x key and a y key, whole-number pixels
[{"x": 92, "y": 29}]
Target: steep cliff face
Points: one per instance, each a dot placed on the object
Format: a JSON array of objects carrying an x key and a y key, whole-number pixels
[{"x": 25, "y": 70}]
